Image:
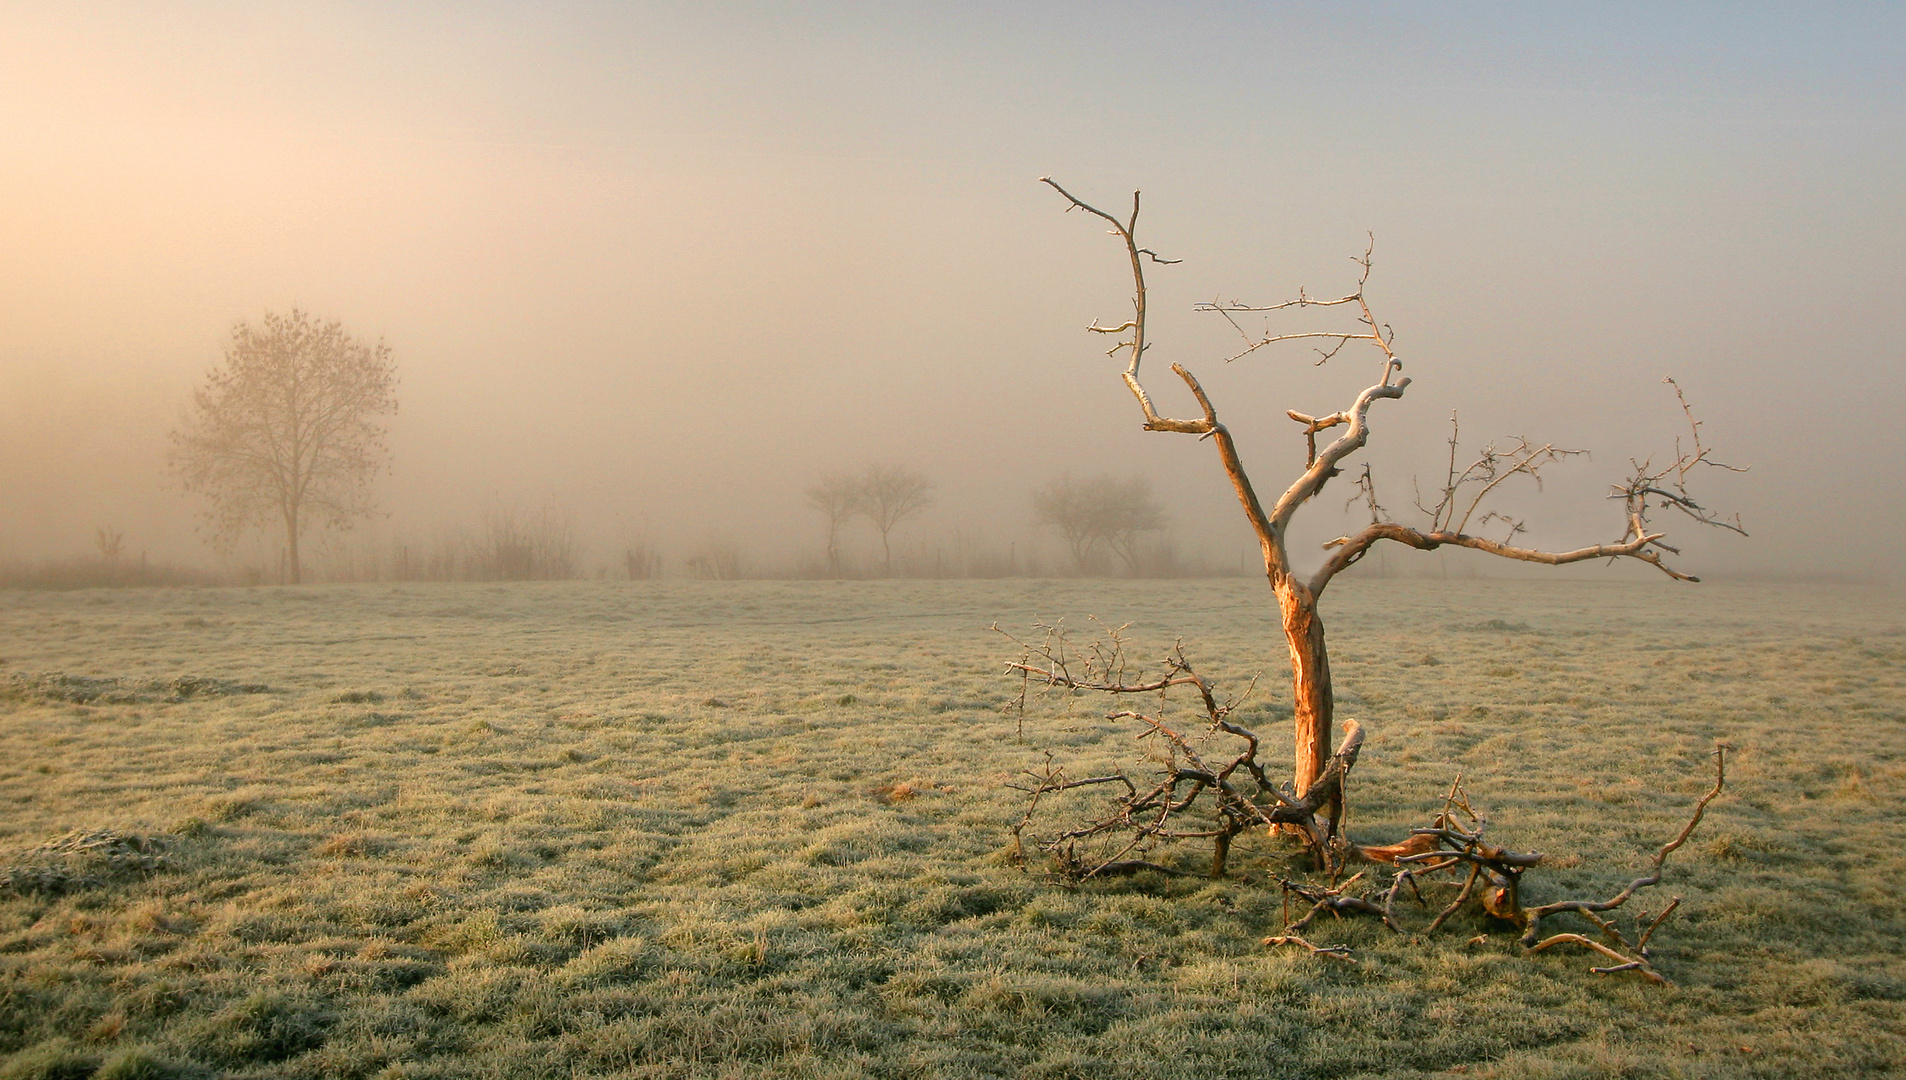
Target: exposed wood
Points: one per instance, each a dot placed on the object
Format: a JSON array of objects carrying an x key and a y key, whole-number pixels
[
  {"x": 1498, "y": 871},
  {"x": 1464, "y": 495}
]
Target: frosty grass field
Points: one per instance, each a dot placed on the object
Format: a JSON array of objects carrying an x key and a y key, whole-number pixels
[{"x": 760, "y": 829}]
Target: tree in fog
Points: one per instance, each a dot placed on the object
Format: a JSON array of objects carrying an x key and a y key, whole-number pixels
[
  {"x": 838, "y": 498},
  {"x": 1099, "y": 510},
  {"x": 1201, "y": 786},
  {"x": 286, "y": 431},
  {"x": 110, "y": 542},
  {"x": 718, "y": 559},
  {"x": 642, "y": 559},
  {"x": 889, "y": 495}
]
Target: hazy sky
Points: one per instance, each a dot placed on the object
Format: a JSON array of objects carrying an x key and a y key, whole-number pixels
[{"x": 664, "y": 264}]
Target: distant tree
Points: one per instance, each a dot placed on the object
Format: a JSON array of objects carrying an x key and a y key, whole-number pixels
[
  {"x": 1066, "y": 505},
  {"x": 718, "y": 559},
  {"x": 890, "y": 494},
  {"x": 109, "y": 541},
  {"x": 286, "y": 431},
  {"x": 1130, "y": 512},
  {"x": 838, "y": 497},
  {"x": 642, "y": 559},
  {"x": 1099, "y": 510}
]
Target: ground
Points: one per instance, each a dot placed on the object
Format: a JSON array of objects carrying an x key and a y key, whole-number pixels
[{"x": 761, "y": 829}]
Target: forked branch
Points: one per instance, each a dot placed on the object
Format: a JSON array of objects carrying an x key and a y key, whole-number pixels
[
  {"x": 1652, "y": 486},
  {"x": 1492, "y": 876},
  {"x": 1627, "y": 957},
  {"x": 1649, "y": 488},
  {"x": 1495, "y": 876},
  {"x": 1380, "y": 336},
  {"x": 1464, "y": 493},
  {"x": 1320, "y": 467}
]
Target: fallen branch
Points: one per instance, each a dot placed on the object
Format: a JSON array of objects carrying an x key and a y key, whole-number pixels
[
  {"x": 1333, "y": 900},
  {"x": 1335, "y": 952},
  {"x": 1495, "y": 875},
  {"x": 1195, "y": 793},
  {"x": 1198, "y": 793},
  {"x": 1627, "y": 957}
]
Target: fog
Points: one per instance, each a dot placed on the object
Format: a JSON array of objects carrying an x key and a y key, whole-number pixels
[{"x": 660, "y": 267}]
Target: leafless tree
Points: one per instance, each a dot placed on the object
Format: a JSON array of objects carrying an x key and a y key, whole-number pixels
[
  {"x": 286, "y": 429},
  {"x": 1100, "y": 510},
  {"x": 1066, "y": 505},
  {"x": 889, "y": 495},
  {"x": 110, "y": 542},
  {"x": 838, "y": 497},
  {"x": 641, "y": 559},
  {"x": 1655, "y": 485}
]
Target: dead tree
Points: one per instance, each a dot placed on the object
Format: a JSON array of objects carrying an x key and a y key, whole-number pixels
[{"x": 1651, "y": 488}]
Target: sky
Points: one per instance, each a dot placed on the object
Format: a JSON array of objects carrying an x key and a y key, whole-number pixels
[{"x": 662, "y": 266}]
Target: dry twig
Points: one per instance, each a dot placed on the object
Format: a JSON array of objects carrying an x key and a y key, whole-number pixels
[
  {"x": 1193, "y": 793},
  {"x": 1335, "y": 952}
]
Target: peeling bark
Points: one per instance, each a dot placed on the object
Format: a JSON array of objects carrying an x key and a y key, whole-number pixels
[{"x": 1311, "y": 697}]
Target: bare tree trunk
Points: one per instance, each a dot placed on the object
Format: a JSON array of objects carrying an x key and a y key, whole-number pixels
[
  {"x": 291, "y": 543},
  {"x": 887, "y": 551},
  {"x": 1311, "y": 698}
]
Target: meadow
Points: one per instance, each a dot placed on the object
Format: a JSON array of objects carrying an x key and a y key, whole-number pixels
[{"x": 761, "y": 829}]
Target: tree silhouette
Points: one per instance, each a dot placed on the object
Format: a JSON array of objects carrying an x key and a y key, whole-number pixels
[
  {"x": 838, "y": 498},
  {"x": 285, "y": 430},
  {"x": 889, "y": 495},
  {"x": 1099, "y": 510}
]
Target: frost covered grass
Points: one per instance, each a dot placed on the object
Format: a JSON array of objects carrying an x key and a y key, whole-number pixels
[{"x": 759, "y": 829}]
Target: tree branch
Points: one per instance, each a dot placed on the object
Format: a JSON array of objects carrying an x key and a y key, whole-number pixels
[{"x": 1350, "y": 549}]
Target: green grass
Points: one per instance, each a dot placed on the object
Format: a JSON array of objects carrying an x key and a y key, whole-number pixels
[{"x": 651, "y": 829}]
